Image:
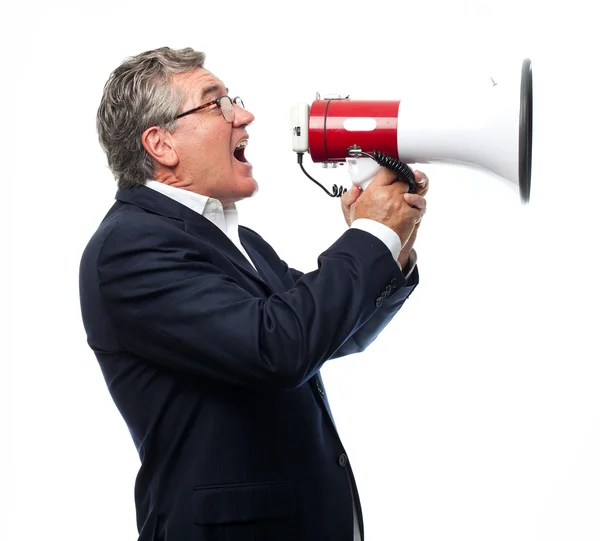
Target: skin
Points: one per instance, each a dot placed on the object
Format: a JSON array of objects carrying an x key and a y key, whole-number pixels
[{"x": 198, "y": 154}]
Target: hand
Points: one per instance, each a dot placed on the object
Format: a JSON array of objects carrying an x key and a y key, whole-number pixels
[
  {"x": 422, "y": 189},
  {"x": 386, "y": 200}
]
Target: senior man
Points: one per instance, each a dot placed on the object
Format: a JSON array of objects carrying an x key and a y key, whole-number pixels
[{"x": 209, "y": 343}]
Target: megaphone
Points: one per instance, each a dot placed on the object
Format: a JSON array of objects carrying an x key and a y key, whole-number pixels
[{"x": 491, "y": 129}]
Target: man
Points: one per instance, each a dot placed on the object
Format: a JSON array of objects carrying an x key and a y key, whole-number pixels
[{"x": 210, "y": 344}]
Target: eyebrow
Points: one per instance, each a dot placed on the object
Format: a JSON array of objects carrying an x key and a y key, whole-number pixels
[{"x": 212, "y": 88}]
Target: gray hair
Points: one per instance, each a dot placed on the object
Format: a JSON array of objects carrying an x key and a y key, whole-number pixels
[{"x": 137, "y": 96}]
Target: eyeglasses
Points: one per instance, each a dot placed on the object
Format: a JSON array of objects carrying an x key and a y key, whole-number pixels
[{"x": 225, "y": 103}]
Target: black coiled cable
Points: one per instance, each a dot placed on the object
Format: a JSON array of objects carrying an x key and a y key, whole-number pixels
[
  {"x": 403, "y": 170},
  {"x": 338, "y": 191},
  {"x": 393, "y": 164}
]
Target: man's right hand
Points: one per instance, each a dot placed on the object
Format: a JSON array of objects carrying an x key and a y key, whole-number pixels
[{"x": 386, "y": 200}]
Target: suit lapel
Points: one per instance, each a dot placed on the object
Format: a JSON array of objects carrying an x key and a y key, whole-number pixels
[
  {"x": 265, "y": 270},
  {"x": 197, "y": 225}
]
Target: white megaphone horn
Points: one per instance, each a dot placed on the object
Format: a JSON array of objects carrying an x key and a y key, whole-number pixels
[{"x": 490, "y": 130}]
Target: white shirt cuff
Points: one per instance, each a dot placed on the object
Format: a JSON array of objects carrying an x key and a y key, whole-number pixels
[{"x": 384, "y": 233}]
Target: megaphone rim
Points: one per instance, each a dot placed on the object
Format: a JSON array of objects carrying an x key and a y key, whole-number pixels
[{"x": 525, "y": 131}]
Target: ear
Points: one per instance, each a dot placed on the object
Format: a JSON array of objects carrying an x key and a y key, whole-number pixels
[{"x": 159, "y": 145}]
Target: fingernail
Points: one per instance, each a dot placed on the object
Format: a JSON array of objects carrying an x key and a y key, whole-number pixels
[{"x": 421, "y": 180}]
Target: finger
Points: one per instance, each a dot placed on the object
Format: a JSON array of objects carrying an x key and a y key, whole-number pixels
[
  {"x": 415, "y": 201},
  {"x": 350, "y": 197},
  {"x": 422, "y": 181},
  {"x": 355, "y": 191},
  {"x": 415, "y": 214},
  {"x": 418, "y": 203},
  {"x": 420, "y": 177}
]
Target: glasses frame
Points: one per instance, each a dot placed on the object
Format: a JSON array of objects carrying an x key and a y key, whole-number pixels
[{"x": 217, "y": 101}]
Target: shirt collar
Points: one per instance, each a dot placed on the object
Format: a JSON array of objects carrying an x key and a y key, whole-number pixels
[
  {"x": 192, "y": 200},
  {"x": 210, "y": 208}
]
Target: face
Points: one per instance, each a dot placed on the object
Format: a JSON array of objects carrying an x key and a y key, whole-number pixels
[{"x": 205, "y": 143}]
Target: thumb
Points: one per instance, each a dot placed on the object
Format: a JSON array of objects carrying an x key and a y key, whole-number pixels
[{"x": 350, "y": 197}]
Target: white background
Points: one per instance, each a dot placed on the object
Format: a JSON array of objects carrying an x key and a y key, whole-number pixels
[{"x": 476, "y": 414}]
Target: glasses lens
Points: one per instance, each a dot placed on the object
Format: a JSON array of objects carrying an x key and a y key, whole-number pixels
[
  {"x": 227, "y": 108},
  {"x": 238, "y": 101}
]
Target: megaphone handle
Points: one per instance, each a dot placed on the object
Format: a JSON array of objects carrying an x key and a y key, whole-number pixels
[
  {"x": 362, "y": 170},
  {"x": 403, "y": 170}
]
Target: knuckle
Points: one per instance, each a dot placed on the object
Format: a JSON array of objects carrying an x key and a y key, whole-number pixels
[{"x": 401, "y": 187}]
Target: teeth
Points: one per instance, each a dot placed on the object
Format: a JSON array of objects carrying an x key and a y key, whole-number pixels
[{"x": 242, "y": 144}]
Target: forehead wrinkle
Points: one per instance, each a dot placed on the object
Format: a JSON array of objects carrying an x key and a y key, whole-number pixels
[{"x": 213, "y": 88}]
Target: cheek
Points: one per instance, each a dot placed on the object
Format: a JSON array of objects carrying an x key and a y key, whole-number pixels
[{"x": 209, "y": 145}]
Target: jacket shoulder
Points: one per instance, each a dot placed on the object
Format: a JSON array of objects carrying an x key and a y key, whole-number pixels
[{"x": 133, "y": 224}]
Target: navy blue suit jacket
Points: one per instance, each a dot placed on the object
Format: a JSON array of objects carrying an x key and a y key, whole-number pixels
[{"x": 215, "y": 369}]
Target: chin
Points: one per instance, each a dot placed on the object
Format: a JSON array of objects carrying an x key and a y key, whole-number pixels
[
  {"x": 243, "y": 188},
  {"x": 250, "y": 185},
  {"x": 255, "y": 189}
]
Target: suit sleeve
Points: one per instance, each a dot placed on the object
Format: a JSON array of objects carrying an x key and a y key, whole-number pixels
[
  {"x": 171, "y": 303},
  {"x": 369, "y": 331}
]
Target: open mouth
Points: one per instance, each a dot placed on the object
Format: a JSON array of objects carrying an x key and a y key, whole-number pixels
[{"x": 238, "y": 153}]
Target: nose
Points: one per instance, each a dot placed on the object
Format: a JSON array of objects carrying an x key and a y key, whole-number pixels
[{"x": 243, "y": 117}]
